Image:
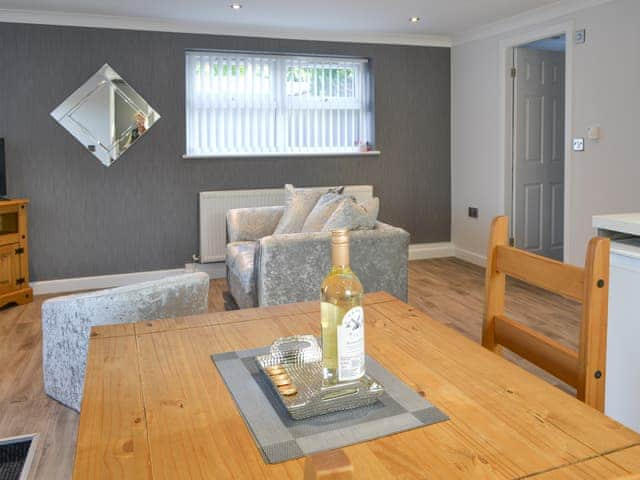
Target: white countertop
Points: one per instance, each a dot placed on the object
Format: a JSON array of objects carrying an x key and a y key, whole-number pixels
[
  {"x": 628, "y": 223},
  {"x": 627, "y": 248}
]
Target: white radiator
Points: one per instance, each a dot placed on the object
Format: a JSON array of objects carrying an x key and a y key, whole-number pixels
[{"x": 214, "y": 207}]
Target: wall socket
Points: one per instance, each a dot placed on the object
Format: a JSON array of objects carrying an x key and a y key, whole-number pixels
[{"x": 473, "y": 212}]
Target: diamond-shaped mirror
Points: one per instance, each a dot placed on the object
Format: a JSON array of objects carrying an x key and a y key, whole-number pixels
[{"x": 106, "y": 115}]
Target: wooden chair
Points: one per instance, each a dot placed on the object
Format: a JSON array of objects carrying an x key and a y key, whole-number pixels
[{"x": 584, "y": 369}]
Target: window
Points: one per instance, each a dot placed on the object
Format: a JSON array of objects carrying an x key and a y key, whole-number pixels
[{"x": 269, "y": 104}]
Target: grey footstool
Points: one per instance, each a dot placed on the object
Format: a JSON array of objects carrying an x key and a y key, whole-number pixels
[{"x": 67, "y": 322}]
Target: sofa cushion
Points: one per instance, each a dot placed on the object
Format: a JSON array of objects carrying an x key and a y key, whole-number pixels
[
  {"x": 298, "y": 203},
  {"x": 353, "y": 216},
  {"x": 250, "y": 224},
  {"x": 241, "y": 273},
  {"x": 372, "y": 206},
  {"x": 324, "y": 208}
]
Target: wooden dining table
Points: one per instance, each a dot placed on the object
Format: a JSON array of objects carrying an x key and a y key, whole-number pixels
[{"x": 155, "y": 406}]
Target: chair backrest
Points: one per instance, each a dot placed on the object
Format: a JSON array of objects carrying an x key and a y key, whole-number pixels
[{"x": 584, "y": 369}]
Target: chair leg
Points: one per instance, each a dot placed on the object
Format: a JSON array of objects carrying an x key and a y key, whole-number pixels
[{"x": 331, "y": 465}]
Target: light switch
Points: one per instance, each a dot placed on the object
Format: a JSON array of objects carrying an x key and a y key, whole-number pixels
[
  {"x": 593, "y": 133},
  {"x": 578, "y": 144}
]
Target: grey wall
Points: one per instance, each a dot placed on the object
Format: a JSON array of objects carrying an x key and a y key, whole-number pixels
[{"x": 142, "y": 213}]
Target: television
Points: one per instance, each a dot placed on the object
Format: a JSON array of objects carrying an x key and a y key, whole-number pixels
[{"x": 3, "y": 176}]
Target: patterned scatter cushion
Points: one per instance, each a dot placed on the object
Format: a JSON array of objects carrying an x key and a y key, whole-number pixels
[
  {"x": 372, "y": 207},
  {"x": 353, "y": 216},
  {"x": 324, "y": 208},
  {"x": 298, "y": 204}
]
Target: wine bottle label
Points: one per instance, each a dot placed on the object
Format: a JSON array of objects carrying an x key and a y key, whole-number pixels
[{"x": 351, "y": 345}]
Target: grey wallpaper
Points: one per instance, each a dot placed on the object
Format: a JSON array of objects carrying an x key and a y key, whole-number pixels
[{"x": 142, "y": 213}]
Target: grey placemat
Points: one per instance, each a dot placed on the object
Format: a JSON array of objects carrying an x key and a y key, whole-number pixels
[{"x": 280, "y": 438}]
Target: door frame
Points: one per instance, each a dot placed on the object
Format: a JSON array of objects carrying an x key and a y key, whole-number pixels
[{"x": 505, "y": 118}]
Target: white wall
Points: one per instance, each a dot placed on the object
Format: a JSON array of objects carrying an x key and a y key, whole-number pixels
[{"x": 605, "y": 178}]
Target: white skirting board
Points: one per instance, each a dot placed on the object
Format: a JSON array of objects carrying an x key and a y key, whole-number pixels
[
  {"x": 99, "y": 281},
  {"x": 418, "y": 251},
  {"x": 215, "y": 270},
  {"x": 471, "y": 257},
  {"x": 421, "y": 251}
]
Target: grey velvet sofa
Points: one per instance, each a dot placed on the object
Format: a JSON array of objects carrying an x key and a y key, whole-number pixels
[
  {"x": 266, "y": 269},
  {"x": 67, "y": 322}
]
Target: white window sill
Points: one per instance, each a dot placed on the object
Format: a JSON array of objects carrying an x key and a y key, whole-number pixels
[{"x": 284, "y": 154}]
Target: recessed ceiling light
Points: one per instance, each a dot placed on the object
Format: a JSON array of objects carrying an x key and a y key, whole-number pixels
[
  {"x": 235, "y": 6},
  {"x": 414, "y": 19}
]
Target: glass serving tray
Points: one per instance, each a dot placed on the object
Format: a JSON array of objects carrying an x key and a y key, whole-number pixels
[{"x": 301, "y": 358}]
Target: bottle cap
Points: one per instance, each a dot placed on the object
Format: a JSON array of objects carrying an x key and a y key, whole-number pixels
[
  {"x": 340, "y": 247},
  {"x": 340, "y": 237}
]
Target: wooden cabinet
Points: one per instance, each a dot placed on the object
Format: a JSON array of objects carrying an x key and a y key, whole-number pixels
[{"x": 14, "y": 254}]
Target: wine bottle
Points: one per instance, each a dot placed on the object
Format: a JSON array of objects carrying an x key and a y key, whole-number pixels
[{"x": 342, "y": 317}]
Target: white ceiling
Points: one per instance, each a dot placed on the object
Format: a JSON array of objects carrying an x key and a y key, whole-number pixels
[{"x": 290, "y": 18}]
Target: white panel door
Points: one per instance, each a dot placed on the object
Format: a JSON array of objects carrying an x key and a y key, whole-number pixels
[{"x": 538, "y": 170}]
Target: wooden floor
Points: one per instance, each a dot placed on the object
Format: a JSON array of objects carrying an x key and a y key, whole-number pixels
[{"x": 448, "y": 289}]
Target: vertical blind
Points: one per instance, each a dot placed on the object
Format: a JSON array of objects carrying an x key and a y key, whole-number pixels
[{"x": 253, "y": 104}]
